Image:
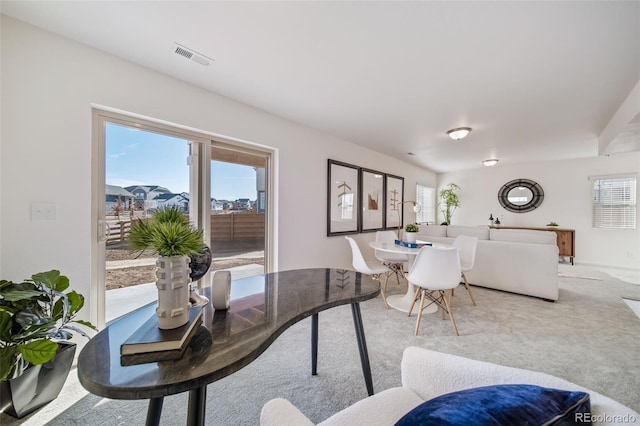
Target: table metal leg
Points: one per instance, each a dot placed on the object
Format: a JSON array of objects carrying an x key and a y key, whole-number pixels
[
  {"x": 314, "y": 344},
  {"x": 197, "y": 404},
  {"x": 362, "y": 346},
  {"x": 154, "y": 411}
]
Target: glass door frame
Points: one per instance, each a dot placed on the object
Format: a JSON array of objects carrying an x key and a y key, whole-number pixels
[{"x": 200, "y": 190}]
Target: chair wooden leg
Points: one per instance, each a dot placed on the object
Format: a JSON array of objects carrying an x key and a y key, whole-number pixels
[
  {"x": 415, "y": 296},
  {"x": 384, "y": 292},
  {"x": 447, "y": 302},
  {"x": 466, "y": 284},
  {"x": 384, "y": 296},
  {"x": 415, "y": 333}
]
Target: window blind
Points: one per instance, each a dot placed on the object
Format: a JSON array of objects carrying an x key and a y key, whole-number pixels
[
  {"x": 614, "y": 202},
  {"x": 426, "y": 197}
]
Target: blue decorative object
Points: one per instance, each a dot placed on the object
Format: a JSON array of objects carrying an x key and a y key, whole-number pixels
[
  {"x": 411, "y": 245},
  {"x": 502, "y": 405}
]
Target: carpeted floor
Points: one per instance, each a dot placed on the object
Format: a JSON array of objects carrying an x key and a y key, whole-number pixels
[{"x": 590, "y": 337}]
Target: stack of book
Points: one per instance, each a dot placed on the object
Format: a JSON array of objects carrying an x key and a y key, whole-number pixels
[{"x": 152, "y": 344}]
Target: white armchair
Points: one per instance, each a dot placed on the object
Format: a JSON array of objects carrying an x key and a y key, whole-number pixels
[{"x": 427, "y": 374}]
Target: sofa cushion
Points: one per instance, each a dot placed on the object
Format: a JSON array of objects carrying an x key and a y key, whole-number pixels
[
  {"x": 433, "y": 230},
  {"x": 482, "y": 232},
  {"x": 512, "y": 404},
  {"x": 523, "y": 236}
]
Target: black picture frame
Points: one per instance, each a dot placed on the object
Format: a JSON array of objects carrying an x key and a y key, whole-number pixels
[
  {"x": 343, "y": 201},
  {"x": 394, "y": 197},
  {"x": 372, "y": 200}
]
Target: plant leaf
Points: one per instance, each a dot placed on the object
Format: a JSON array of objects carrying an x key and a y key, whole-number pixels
[
  {"x": 76, "y": 302},
  {"x": 62, "y": 334},
  {"x": 31, "y": 316},
  {"x": 60, "y": 310},
  {"x": 6, "y": 322},
  {"x": 52, "y": 279},
  {"x": 76, "y": 329},
  {"x": 23, "y": 291},
  {"x": 87, "y": 324},
  {"x": 38, "y": 351},
  {"x": 7, "y": 360}
]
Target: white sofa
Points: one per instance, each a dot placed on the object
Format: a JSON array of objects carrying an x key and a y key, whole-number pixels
[
  {"x": 427, "y": 374},
  {"x": 515, "y": 260}
]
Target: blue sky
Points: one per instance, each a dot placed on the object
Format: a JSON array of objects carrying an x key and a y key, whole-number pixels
[{"x": 137, "y": 157}]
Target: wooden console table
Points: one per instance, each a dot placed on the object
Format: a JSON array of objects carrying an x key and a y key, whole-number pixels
[{"x": 566, "y": 238}]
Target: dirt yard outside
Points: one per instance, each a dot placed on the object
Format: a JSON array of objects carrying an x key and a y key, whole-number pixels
[{"x": 125, "y": 268}]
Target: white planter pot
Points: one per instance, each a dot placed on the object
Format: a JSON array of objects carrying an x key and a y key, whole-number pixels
[
  {"x": 410, "y": 237},
  {"x": 172, "y": 280}
]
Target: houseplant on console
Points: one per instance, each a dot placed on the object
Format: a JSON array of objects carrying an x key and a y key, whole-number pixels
[
  {"x": 449, "y": 201},
  {"x": 36, "y": 323},
  {"x": 169, "y": 233}
]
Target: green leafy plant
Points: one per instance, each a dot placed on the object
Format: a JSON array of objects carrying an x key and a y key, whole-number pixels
[
  {"x": 552, "y": 223},
  {"x": 412, "y": 227},
  {"x": 168, "y": 233},
  {"x": 449, "y": 201},
  {"x": 35, "y": 316}
]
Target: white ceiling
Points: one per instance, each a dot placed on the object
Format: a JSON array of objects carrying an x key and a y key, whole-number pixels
[{"x": 535, "y": 80}]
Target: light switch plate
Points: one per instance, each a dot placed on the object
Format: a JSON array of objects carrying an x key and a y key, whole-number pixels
[{"x": 43, "y": 211}]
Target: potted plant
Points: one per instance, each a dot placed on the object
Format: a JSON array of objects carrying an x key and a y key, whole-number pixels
[
  {"x": 169, "y": 234},
  {"x": 36, "y": 322},
  {"x": 449, "y": 201},
  {"x": 410, "y": 232}
]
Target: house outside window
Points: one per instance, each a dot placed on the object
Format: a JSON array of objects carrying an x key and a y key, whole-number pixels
[{"x": 614, "y": 201}]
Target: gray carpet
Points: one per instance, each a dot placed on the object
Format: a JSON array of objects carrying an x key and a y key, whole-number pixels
[{"x": 590, "y": 337}]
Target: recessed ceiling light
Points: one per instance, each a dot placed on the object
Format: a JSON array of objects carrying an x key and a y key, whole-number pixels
[
  {"x": 490, "y": 162},
  {"x": 459, "y": 133}
]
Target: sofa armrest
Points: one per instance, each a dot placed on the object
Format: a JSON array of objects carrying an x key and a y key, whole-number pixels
[
  {"x": 430, "y": 374},
  {"x": 280, "y": 412}
]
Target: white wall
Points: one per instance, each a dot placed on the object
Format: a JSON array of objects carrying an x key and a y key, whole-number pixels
[
  {"x": 567, "y": 201},
  {"x": 48, "y": 87}
]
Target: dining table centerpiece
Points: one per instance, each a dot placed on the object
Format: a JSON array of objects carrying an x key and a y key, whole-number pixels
[{"x": 410, "y": 232}]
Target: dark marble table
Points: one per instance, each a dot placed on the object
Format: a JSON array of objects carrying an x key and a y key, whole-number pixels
[{"x": 266, "y": 305}]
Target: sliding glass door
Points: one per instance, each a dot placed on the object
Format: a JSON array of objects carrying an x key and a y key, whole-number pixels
[{"x": 142, "y": 166}]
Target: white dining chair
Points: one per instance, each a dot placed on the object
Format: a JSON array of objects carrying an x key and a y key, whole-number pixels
[
  {"x": 466, "y": 246},
  {"x": 394, "y": 261},
  {"x": 435, "y": 272},
  {"x": 375, "y": 269}
]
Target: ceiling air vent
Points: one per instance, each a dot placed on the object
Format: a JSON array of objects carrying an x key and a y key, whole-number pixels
[{"x": 191, "y": 54}]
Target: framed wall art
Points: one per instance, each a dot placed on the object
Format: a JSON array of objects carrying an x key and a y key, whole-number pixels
[
  {"x": 394, "y": 196},
  {"x": 343, "y": 208},
  {"x": 372, "y": 199}
]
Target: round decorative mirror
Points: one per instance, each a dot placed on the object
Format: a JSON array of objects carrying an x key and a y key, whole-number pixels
[{"x": 520, "y": 195}]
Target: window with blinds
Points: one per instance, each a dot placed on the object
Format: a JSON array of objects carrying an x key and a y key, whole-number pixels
[
  {"x": 614, "y": 202},
  {"x": 426, "y": 197}
]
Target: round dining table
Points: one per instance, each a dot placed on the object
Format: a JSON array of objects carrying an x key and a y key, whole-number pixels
[{"x": 402, "y": 302}]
